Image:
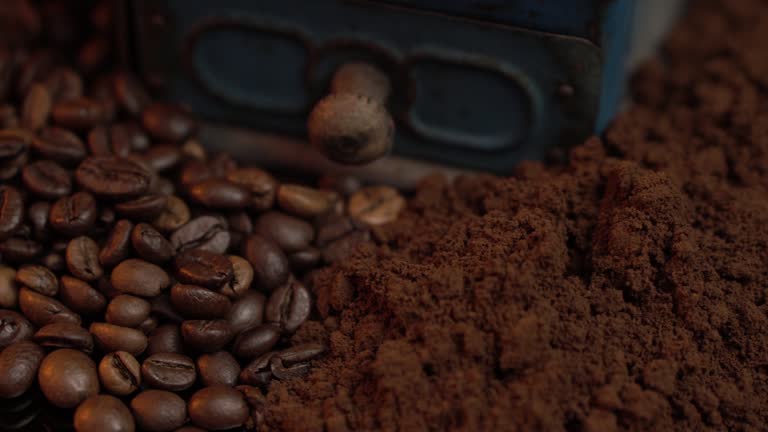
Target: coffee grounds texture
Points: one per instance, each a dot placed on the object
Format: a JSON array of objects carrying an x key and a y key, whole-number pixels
[{"x": 623, "y": 290}]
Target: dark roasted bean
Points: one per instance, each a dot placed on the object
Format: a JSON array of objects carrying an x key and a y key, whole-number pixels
[
  {"x": 289, "y": 306},
  {"x": 11, "y": 211},
  {"x": 270, "y": 265},
  {"x": 301, "y": 353},
  {"x": 14, "y": 327},
  {"x": 93, "y": 54},
  {"x": 161, "y": 306},
  {"x": 9, "y": 291},
  {"x": 159, "y": 410},
  {"x": 169, "y": 371},
  {"x": 80, "y": 296},
  {"x": 195, "y": 302},
  {"x": 68, "y": 377},
  {"x": 255, "y": 341},
  {"x": 64, "y": 335},
  {"x": 162, "y": 157},
  {"x": 283, "y": 372},
  {"x": 242, "y": 277},
  {"x": 222, "y": 163},
  {"x": 218, "y": 368},
  {"x": 290, "y": 233},
  {"x": 64, "y": 84},
  {"x": 247, "y": 312},
  {"x": 205, "y": 232},
  {"x": 20, "y": 249},
  {"x": 47, "y": 179},
  {"x": 120, "y": 373},
  {"x": 36, "y": 108},
  {"x": 261, "y": 184},
  {"x": 19, "y": 363},
  {"x": 117, "y": 248},
  {"x": 343, "y": 184},
  {"x": 113, "y": 177},
  {"x": 192, "y": 149},
  {"x": 39, "y": 279},
  {"x": 376, "y": 205},
  {"x": 129, "y": 134},
  {"x": 194, "y": 171},
  {"x": 146, "y": 208},
  {"x": 167, "y": 122},
  {"x": 80, "y": 114},
  {"x": 218, "y": 408},
  {"x": 304, "y": 201},
  {"x": 103, "y": 413},
  {"x": 175, "y": 215},
  {"x": 139, "y": 278},
  {"x": 43, "y": 310},
  {"x": 127, "y": 311},
  {"x": 38, "y": 217},
  {"x": 74, "y": 215},
  {"x": 150, "y": 244},
  {"x": 305, "y": 260},
  {"x": 83, "y": 259},
  {"x": 200, "y": 267},
  {"x": 130, "y": 93},
  {"x": 149, "y": 325},
  {"x": 100, "y": 143},
  {"x": 257, "y": 372},
  {"x": 13, "y": 145},
  {"x": 116, "y": 338},
  {"x": 206, "y": 336},
  {"x": 220, "y": 193},
  {"x": 165, "y": 338},
  {"x": 60, "y": 145}
]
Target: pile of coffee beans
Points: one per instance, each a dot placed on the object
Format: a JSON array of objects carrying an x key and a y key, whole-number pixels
[{"x": 144, "y": 283}]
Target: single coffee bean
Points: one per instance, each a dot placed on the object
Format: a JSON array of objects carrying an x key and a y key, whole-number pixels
[
  {"x": 206, "y": 335},
  {"x": 11, "y": 211},
  {"x": 175, "y": 215},
  {"x": 376, "y": 205},
  {"x": 68, "y": 377},
  {"x": 218, "y": 368},
  {"x": 100, "y": 143},
  {"x": 64, "y": 335},
  {"x": 169, "y": 371},
  {"x": 303, "y": 201},
  {"x": 19, "y": 363},
  {"x": 64, "y": 84},
  {"x": 129, "y": 134},
  {"x": 261, "y": 184},
  {"x": 120, "y": 373},
  {"x": 196, "y": 302},
  {"x": 255, "y": 341},
  {"x": 127, "y": 311},
  {"x": 20, "y": 250},
  {"x": 166, "y": 122},
  {"x": 117, "y": 248},
  {"x": 116, "y": 338},
  {"x": 162, "y": 157},
  {"x": 103, "y": 413},
  {"x": 159, "y": 410},
  {"x": 9, "y": 291},
  {"x": 139, "y": 278},
  {"x": 74, "y": 215},
  {"x": 80, "y": 296},
  {"x": 242, "y": 277},
  {"x": 162, "y": 308},
  {"x": 165, "y": 339},
  {"x": 14, "y": 328},
  {"x": 200, "y": 267},
  {"x": 43, "y": 310},
  {"x": 301, "y": 353},
  {"x": 59, "y": 145},
  {"x": 36, "y": 108},
  {"x": 39, "y": 279},
  {"x": 289, "y": 306},
  {"x": 47, "y": 179},
  {"x": 257, "y": 372},
  {"x": 218, "y": 408},
  {"x": 193, "y": 172},
  {"x": 150, "y": 244},
  {"x": 113, "y": 177},
  {"x": 283, "y": 372},
  {"x": 130, "y": 94},
  {"x": 305, "y": 260},
  {"x": 149, "y": 325},
  {"x": 83, "y": 259},
  {"x": 12, "y": 145},
  {"x": 220, "y": 193},
  {"x": 146, "y": 208},
  {"x": 270, "y": 265},
  {"x": 247, "y": 311},
  {"x": 290, "y": 233},
  {"x": 80, "y": 114},
  {"x": 205, "y": 232}
]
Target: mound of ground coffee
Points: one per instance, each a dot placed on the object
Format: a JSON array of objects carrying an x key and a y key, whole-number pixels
[{"x": 624, "y": 290}]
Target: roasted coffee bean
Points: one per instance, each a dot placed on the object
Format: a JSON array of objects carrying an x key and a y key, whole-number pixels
[
  {"x": 283, "y": 372},
  {"x": 193, "y": 172},
  {"x": 130, "y": 93},
  {"x": 162, "y": 157},
  {"x": 146, "y": 208},
  {"x": 14, "y": 328},
  {"x": 159, "y": 410},
  {"x": 161, "y": 306},
  {"x": 120, "y": 373},
  {"x": 304, "y": 201},
  {"x": 38, "y": 217},
  {"x": 200, "y": 267},
  {"x": 255, "y": 341},
  {"x": 104, "y": 285},
  {"x": 74, "y": 215},
  {"x": 64, "y": 335},
  {"x": 270, "y": 265},
  {"x": 103, "y": 413},
  {"x": 247, "y": 312},
  {"x": 218, "y": 368},
  {"x": 343, "y": 184},
  {"x": 39, "y": 279},
  {"x": 218, "y": 408},
  {"x": 100, "y": 143},
  {"x": 81, "y": 114},
  {"x": 138, "y": 277},
  {"x": 290, "y": 233},
  {"x": 9, "y": 291},
  {"x": 59, "y": 145},
  {"x": 289, "y": 306},
  {"x": 175, "y": 215},
  {"x": 117, "y": 248},
  {"x": 9, "y": 169},
  {"x": 257, "y": 372},
  {"x": 129, "y": 134},
  {"x": 220, "y": 193},
  {"x": 305, "y": 260},
  {"x": 150, "y": 244},
  {"x": 11, "y": 211},
  {"x": 127, "y": 311},
  {"x": 43, "y": 310},
  {"x": 206, "y": 335},
  {"x": 261, "y": 184},
  {"x": 80, "y": 296},
  {"x": 242, "y": 277},
  {"x": 149, "y": 325},
  {"x": 301, "y": 353},
  {"x": 107, "y": 216},
  {"x": 12, "y": 145},
  {"x": 83, "y": 259},
  {"x": 47, "y": 179},
  {"x": 116, "y": 338},
  {"x": 166, "y": 122},
  {"x": 68, "y": 377},
  {"x": 222, "y": 163},
  {"x": 93, "y": 54},
  {"x": 335, "y": 228},
  {"x": 113, "y": 177},
  {"x": 165, "y": 339},
  {"x": 195, "y": 302},
  {"x": 19, "y": 363},
  {"x": 240, "y": 222},
  {"x": 36, "y": 108},
  {"x": 192, "y": 149},
  {"x": 205, "y": 232},
  {"x": 20, "y": 250},
  {"x": 54, "y": 262},
  {"x": 64, "y": 84},
  {"x": 169, "y": 371},
  {"x": 376, "y": 205}
]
